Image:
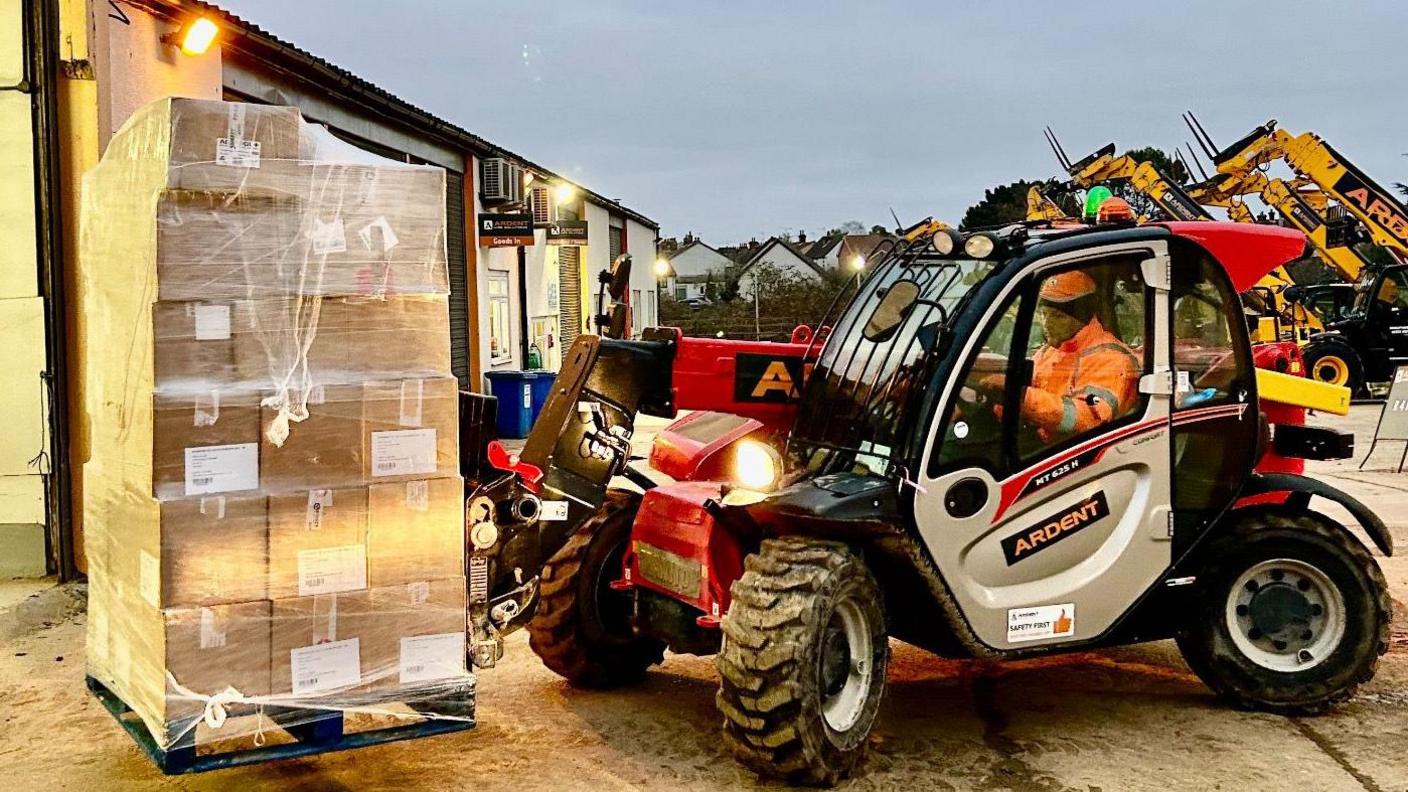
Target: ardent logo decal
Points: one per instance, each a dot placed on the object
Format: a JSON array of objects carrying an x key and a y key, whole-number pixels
[
  {"x": 1382, "y": 209},
  {"x": 765, "y": 378},
  {"x": 1055, "y": 528}
]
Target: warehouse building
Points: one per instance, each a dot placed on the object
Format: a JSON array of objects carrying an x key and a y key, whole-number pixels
[{"x": 73, "y": 71}]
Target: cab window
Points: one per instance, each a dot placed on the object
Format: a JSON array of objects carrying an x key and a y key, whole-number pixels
[
  {"x": 1085, "y": 345},
  {"x": 1059, "y": 365},
  {"x": 1212, "y": 449}
]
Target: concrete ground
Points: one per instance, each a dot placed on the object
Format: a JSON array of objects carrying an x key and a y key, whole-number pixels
[{"x": 1127, "y": 719}]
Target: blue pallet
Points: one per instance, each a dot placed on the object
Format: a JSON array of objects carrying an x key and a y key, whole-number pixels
[{"x": 315, "y": 732}]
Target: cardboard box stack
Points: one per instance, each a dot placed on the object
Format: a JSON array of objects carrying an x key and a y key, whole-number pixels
[{"x": 272, "y": 509}]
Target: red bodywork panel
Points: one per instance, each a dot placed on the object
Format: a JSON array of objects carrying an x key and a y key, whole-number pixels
[
  {"x": 755, "y": 379},
  {"x": 698, "y": 447},
  {"x": 672, "y": 518},
  {"x": 1247, "y": 251}
]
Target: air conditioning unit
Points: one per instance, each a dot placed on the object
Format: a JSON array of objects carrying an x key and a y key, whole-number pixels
[{"x": 500, "y": 181}]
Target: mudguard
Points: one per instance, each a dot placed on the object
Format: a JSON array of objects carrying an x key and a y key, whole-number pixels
[{"x": 1300, "y": 489}]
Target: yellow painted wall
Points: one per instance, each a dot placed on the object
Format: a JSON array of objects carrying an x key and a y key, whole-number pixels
[{"x": 24, "y": 456}]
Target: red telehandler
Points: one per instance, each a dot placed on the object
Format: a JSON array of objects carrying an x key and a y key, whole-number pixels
[{"x": 875, "y": 482}]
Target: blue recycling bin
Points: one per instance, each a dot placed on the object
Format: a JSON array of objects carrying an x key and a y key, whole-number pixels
[
  {"x": 542, "y": 388},
  {"x": 514, "y": 390}
]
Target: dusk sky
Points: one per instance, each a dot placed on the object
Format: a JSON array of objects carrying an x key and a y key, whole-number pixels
[{"x": 738, "y": 120}]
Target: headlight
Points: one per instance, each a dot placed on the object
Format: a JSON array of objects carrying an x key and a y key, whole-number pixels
[
  {"x": 757, "y": 466},
  {"x": 945, "y": 241},
  {"x": 979, "y": 246}
]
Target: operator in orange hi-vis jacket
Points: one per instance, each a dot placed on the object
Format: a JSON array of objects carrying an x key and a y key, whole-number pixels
[{"x": 1083, "y": 376}]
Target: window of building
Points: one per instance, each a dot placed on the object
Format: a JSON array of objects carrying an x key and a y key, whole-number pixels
[
  {"x": 538, "y": 202},
  {"x": 500, "y": 338}
]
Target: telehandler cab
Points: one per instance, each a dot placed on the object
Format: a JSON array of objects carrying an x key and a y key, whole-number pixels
[{"x": 892, "y": 478}]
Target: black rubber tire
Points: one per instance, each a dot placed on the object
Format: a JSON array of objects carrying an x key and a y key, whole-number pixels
[
  {"x": 770, "y": 687},
  {"x": 1316, "y": 353},
  {"x": 1311, "y": 538},
  {"x": 582, "y": 629}
]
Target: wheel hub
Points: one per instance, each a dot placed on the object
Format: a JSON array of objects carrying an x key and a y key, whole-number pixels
[
  {"x": 844, "y": 666},
  {"x": 1285, "y": 615}
]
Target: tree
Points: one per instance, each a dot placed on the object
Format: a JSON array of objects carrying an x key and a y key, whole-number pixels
[
  {"x": 1006, "y": 203},
  {"x": 879, "y": 229},
  {"x": 852, "y": 227}
]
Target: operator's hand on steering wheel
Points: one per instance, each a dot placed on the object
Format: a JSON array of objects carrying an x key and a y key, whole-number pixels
[{"x": 993, "y": 385}]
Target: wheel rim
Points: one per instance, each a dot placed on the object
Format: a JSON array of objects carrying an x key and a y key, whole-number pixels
[
  {"x": 1285, "y": 615},
  {"x": 1332, "y": 369},
  {"x": 845, "y": 667}
]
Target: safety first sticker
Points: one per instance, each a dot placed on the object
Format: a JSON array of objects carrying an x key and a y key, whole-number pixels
[{"x": 1040, "y": 622}]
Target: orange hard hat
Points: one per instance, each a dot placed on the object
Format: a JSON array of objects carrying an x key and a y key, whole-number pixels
[{"x": 1067, "y": 286}]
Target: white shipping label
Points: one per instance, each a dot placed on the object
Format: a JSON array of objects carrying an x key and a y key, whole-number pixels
[
  {"x": 212, "y": 322},
  {"x": 428, "y": 657},
  {"x": 1185, "y": 382},
  {"x": 329, "y": 237},
  {"x": 319, "y": 501},
  {"x": 222, "y": 468},
  {"x": 527, "y": 396},
  {"x": 403, "y": 452},
  {"x": 1041, "y": 621},
  {"x": 149, "y": 578},
  {"x": 378, "y": 236},
  {"x": 328, "y": 570},
  {"x": 237, "y": 153},
  {"x": 326, "y": 666},
  {"x": 553, "y": 511}
]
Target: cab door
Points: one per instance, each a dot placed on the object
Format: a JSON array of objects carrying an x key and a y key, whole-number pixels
[{"x": 1046, "y": 533}]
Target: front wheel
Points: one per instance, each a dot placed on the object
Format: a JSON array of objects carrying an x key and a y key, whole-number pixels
[
  {"x": 583, "y": 629},
  {"x": 803, "y": 661},
  {"x": 1292, "y": 615}
]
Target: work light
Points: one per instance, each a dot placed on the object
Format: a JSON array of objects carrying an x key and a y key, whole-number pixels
[{"x": 979, "y": 246}]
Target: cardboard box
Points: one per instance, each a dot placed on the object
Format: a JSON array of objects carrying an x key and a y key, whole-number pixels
[
  {"x": 397, "y": 638},
  {"x": 415, "y": 531},
  {"x": 204, "y": 443},
  {"x": 380, "y": 228},
  {"x": 204, "y": 650},
  {"x": 323, "y": 450},
  {"x": 192, "y": 343},
  {"x": 228, "y": 245},
  {"x": 213, "y": 648},
  {"x": 412, "y": 429},
  {"x": 342, "y": 339},
  {"x": 214, "y": 550},
  {"x": 210, "y": 550},
  {"x": 388, "y": 430},
  {"x": 317, "y": 542},
  {"x": 218, "y": 145}
]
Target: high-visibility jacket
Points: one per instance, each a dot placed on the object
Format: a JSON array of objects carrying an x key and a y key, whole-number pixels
[{"x": 1081, "y": 383}]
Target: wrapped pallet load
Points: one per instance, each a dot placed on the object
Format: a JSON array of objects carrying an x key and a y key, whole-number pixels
[{"x": 272, "y": 509}]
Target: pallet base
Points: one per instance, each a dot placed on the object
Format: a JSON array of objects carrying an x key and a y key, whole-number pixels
[{"x": 314, "y": 732}]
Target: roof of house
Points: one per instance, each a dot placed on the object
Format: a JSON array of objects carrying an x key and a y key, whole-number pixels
[
  {"x": 670, "y": 254},
  {"x": 825, "y": 245},
  {"x": 769, "y": 245},
  {"x": 860, "y": 245},
  {"x": 334, "y": 80}
]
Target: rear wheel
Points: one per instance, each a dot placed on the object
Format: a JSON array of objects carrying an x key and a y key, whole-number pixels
[
  {"x": 583, "y": 629},
  {"x": 1292, "y": 615},
  {"x": 1335, "y": 362},
  {"x": 803, "y": 661}
]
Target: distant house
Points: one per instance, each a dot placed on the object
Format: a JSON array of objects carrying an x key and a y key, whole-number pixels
[
  {"x": 692, "y": 267},
  {"x": 840, "y": 250},
  {"x": 781, "y": 255}
]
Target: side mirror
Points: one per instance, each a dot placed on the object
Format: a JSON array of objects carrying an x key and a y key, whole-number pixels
[
  {"x": 891, "y": 311},
  {"x": 1294, "y": 293},
  {"x": 619, "y": 281}
]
